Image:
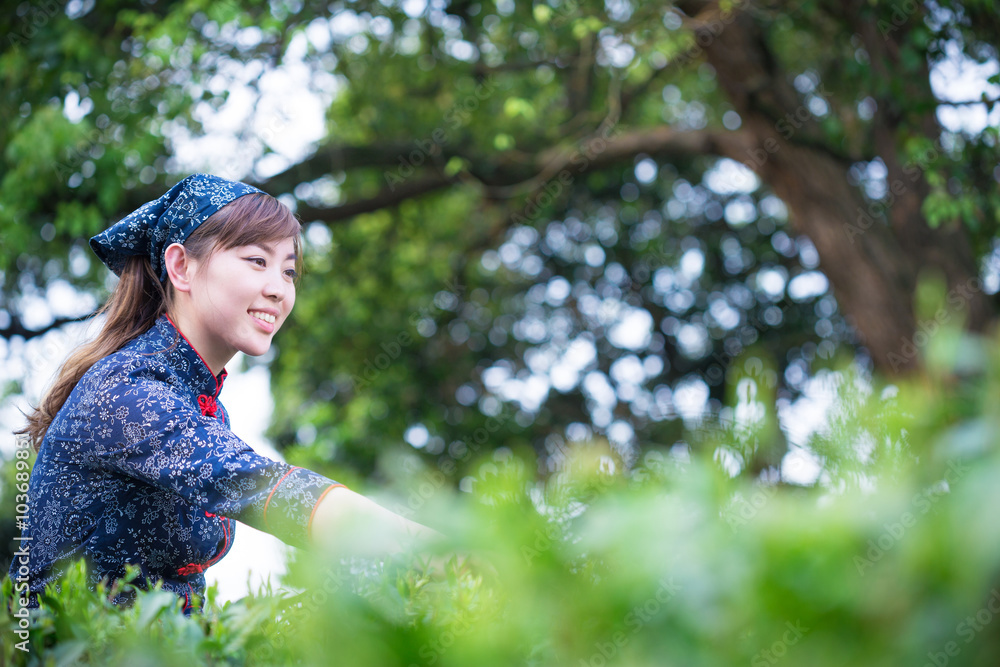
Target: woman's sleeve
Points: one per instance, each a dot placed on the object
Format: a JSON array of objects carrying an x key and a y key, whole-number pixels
[{"x": 147, "y": 431}]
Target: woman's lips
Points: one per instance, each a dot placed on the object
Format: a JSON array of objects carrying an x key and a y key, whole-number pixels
[{"x": 261, "y": 318}]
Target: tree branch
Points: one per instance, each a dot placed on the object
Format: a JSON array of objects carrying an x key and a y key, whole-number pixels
[
  {"x": 983, "y": 100},
  {"x": 598, "y": 150},
  {"x": 601, "y": 149},
  {"x": 331, "y": 159},
  {"x": 17, "y": 328},
  {"x": 388, "y": 197}
]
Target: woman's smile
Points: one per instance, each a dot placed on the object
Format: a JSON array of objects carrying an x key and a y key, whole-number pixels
[
  {"x": 239, "y": 297},
  {"x": 264, "y": 319}
]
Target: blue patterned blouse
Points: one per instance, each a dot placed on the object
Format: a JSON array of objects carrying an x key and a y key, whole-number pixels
[{"x": 139, "y": 466}]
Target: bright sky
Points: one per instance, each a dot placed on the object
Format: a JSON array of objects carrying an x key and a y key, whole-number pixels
[{"x": 289, "y": 119}]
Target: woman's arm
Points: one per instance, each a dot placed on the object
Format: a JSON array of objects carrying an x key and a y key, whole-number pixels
[{"x": 347, "y": 521}]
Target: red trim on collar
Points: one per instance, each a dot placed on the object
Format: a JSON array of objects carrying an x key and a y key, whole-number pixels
[{"x": 218, "y": 380}]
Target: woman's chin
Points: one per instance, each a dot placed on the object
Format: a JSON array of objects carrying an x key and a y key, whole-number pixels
[{"x": 256, "y": 350}]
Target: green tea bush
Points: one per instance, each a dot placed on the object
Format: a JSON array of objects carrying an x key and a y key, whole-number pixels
[{"x": 891, "y": 557}]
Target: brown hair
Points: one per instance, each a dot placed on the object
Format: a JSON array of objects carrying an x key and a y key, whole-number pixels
[{"x": 140, "y": 298}]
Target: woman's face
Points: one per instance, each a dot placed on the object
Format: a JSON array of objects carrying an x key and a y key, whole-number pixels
[{"x": 240, "y": 297}]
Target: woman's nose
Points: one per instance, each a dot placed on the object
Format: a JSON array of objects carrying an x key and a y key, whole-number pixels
[{"x": 276, "y": 287}]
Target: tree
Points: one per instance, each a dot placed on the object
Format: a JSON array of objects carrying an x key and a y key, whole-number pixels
[{"x": 588, "y": 212}]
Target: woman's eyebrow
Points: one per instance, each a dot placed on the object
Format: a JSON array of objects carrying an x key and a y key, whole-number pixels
[{"x": 269, "y": 248}]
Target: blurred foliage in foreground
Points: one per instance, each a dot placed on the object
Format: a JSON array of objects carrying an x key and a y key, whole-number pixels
[{"x": 891, "y": 557}]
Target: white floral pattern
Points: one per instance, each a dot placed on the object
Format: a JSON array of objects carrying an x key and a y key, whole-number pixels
[
  {"x": 171, "y": 218},
  {"x": 131, "y": 471}
]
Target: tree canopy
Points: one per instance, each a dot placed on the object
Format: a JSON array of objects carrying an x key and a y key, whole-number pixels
[{"x": 532, "y": 223}]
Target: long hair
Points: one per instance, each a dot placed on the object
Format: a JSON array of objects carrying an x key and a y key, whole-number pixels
[{"x": 139, "y": 298}]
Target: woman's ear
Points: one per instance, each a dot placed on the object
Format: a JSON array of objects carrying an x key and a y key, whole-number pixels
[{"x": 180, "y": 267}]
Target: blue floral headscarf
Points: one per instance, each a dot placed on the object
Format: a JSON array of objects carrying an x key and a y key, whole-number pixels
[{"x": 155, "y": 225}]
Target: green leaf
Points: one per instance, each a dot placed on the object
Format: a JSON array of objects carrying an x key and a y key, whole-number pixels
[{"x": 153, "y": 604}]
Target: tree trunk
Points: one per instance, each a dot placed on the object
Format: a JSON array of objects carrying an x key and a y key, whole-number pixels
[
  {"x": 872, "y": 252},
  {"x": 873, "y": 255}
]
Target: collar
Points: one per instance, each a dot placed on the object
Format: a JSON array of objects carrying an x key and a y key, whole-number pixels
[{"x": 185, "y": 360}]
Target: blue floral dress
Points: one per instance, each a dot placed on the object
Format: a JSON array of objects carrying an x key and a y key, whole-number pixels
[{"x": 139, "y": 466}]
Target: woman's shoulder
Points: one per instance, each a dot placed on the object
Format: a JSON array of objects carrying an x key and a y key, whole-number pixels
[
  {"x": 137, "y": 359},
  {"x": 115, "y": 378}
]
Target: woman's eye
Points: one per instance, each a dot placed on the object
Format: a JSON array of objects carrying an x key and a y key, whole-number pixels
[
  {"x": 259, "y": 261},
  {"x": 292, "y": 273}
]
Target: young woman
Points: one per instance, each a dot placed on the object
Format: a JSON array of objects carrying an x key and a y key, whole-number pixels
[{"x": 136, "y": 462}]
